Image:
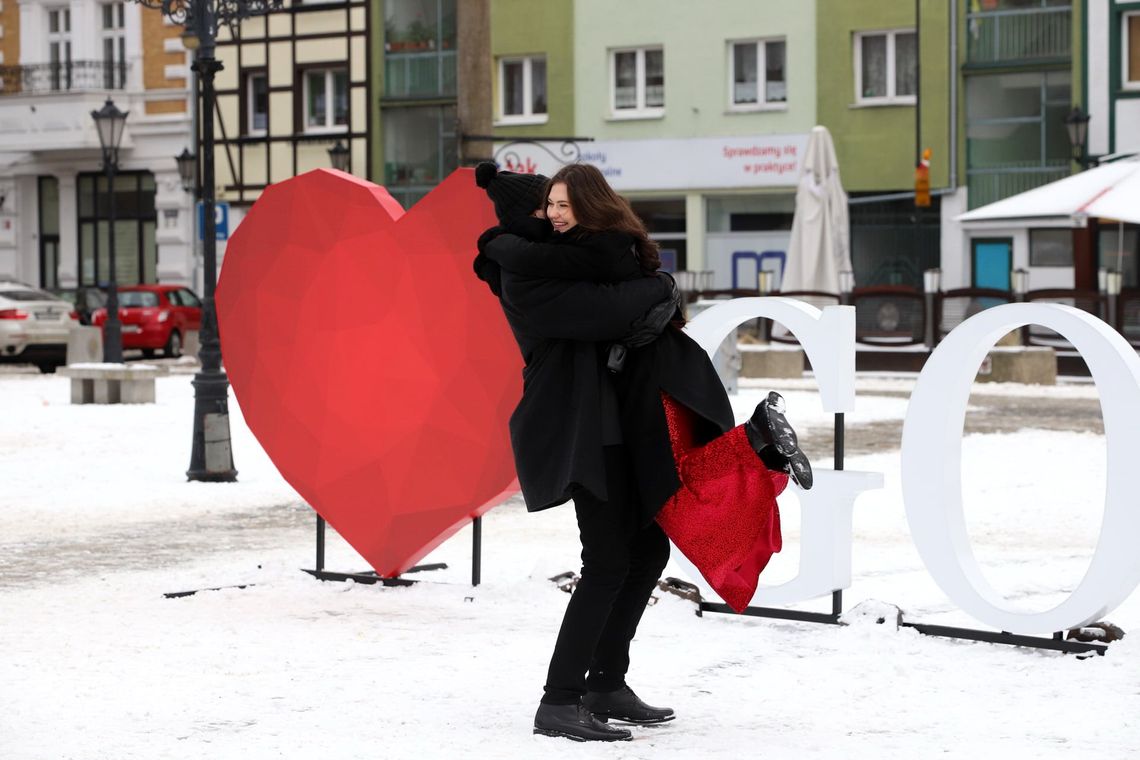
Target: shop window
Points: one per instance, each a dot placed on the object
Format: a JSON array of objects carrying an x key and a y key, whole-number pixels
[
  {"x": 522, "y": 90},
  {"x": 886, "y": 70},
  {"x": 1118, "y": 247},
  {"x": 665, "y": 221},
  {"x": 1051, "y": 248},
  {"x": 753, "y": 84},
  {"x": 638, "y": 82},
  {"x": 136, "y": 253}
]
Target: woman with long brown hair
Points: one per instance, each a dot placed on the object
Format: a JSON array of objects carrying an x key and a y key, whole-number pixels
[{"x": 632, "y": 431}]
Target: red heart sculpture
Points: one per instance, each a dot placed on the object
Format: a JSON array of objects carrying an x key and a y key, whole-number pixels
[{"x": 376, "y": 371}]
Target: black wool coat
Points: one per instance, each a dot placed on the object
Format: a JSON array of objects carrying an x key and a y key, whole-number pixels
[
  {"x": 673, "y": 364},
  {"x": 562, "y": 328}
]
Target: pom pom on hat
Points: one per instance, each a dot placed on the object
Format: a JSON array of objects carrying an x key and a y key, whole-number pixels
[
  {"x": 514, "y": 195},
  {"x": 484, "y": 173}
]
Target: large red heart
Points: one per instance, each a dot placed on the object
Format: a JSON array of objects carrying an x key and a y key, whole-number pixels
[{"x": 376, "y": 371}]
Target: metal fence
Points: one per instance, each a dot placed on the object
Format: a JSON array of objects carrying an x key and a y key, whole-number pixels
[
  {"x": 1019, "y": 35},
  {"x": 66, "y": 76}
]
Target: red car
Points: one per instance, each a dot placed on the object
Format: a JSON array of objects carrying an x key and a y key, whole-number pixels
[{"x": 155, "y": 316}]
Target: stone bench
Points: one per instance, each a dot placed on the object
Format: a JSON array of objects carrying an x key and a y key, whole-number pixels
[
  {"x": 1031, "y": 365},
  {"x": 112, "y": 383},
  {"x": 771, "y": 360}
]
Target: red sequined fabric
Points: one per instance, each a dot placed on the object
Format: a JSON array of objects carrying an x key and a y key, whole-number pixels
[{"x": 724, "y": 517}]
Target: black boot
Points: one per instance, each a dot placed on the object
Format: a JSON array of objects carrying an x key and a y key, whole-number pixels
[
  {"x": 575, "y": 722},
  {"x": 775, "y": 442},
  {"x": 626, "y": 706}
]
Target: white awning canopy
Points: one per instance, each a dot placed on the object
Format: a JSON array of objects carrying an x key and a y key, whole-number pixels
[{"x": 1110, "y": 191}]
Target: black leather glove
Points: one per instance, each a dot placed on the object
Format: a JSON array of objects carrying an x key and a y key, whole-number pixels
[{"x": 646, "y": 328}]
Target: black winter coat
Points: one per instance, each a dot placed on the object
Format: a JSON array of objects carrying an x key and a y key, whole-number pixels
[
  {"x": 562, "y": 327},
  {"x": 673, "y": 364}
]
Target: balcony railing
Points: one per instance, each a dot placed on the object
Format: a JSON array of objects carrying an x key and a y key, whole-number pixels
[
  {"x": 1019, "y": 36},
  {"x": 989, "y": 185},
  {"x": 70, "y": 76},
  {"x": 420, "y": 75}
]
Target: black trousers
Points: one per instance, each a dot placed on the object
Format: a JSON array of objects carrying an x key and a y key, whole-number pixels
[{"x": 621, "y": 562}]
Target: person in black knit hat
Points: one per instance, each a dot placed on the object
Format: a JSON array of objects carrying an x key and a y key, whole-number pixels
[{"x": 620, "y": 442}]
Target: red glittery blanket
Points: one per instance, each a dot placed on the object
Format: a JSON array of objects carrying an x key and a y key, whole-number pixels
[{"x": 724, "y": 516}]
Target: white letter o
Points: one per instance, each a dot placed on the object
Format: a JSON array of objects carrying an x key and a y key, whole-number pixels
[{"x": 932, "y": 467}]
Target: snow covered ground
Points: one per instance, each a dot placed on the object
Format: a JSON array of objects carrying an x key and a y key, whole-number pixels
[{"x": 97, "y": 522}]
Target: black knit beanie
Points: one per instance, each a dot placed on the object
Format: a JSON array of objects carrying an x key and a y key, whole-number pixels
[{"x": 514, "y": 195}]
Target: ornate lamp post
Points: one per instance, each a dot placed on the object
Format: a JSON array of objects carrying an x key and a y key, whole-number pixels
[
  {"x": 211, "y": 458},
  {"x": 109, "y": 123},
  {"x": 338, "y": 156},
  {"x": 1077, "y": 125},
  {"x": 188, "y": 170}
]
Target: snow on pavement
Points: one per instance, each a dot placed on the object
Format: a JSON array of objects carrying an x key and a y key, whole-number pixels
[{"x": 97, "y": 522}]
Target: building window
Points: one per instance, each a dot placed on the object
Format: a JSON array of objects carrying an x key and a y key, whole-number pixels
[
  {"x": 136, "y": 252},
  {"x": 1118, "y": 249},
  {"x": 665, "y": 221},
  {"x": 1130, "y": 24},
  {"x": 522, "y": 90},
  {"x": 420, "y": 39},
  {"x": 754, "y": 85},
  {"x": 114, "y": 46},
  {"x": 1051, "y": 247},
  {"x": 638, "y": 82},
  {"x": 885, "y": 67},
  {"x": 326, "y": 99},
  {"x": 256, "y": 103},
  {"x": 59, "y": 47},
  {"x": 420, "y": 149},
  {"x": 1015, "y": 133}
]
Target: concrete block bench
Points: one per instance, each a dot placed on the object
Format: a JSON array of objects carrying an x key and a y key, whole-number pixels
[
  {"x": 1032, "y": 365},
  {"x": 771, "y": 360},
  {"x": 112, "y": 383}
]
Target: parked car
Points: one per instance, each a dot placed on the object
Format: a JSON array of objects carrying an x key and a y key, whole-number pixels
[
  {"x": 85, "y": 299},
  {"x": 155, "y": 317},
  {"x": 34, "y": 325}
]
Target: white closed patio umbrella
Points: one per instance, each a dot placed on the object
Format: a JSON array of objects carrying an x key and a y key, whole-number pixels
[{"x": 820, "y": 247}]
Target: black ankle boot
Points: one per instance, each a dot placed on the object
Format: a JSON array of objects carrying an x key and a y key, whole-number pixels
[
  {"x": 626, "y": 706},
  {"x": 775, "y": 442},
  {"x": 575, "y": 722}
]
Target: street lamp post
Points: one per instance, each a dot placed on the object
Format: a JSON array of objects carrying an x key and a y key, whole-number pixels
[
  {"x": 188, "y": 171},
  {"x": 338, "y": 156},
  {"x": 109, "y": 124},
  {"x": 211, "y": 458},
  {"x": 1077, "y": 125}
]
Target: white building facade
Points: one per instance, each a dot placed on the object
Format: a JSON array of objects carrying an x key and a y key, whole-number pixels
[{"x": 61, "y": 61}]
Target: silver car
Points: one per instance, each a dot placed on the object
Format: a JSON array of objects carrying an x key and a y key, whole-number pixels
[{"x": 34, "y": 325}]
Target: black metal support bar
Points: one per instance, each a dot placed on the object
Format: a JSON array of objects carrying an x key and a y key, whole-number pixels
[
  {"x": 779, "y": 613},
  {"x": 1057, "y": 643},
  {"x": 320, "y": 543},
  {"x": 476, "y": 551},
  {"x": 840, "y": 429},
  {"x": 182, "y": 594},
  {"x": 367, "y": 576}
]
